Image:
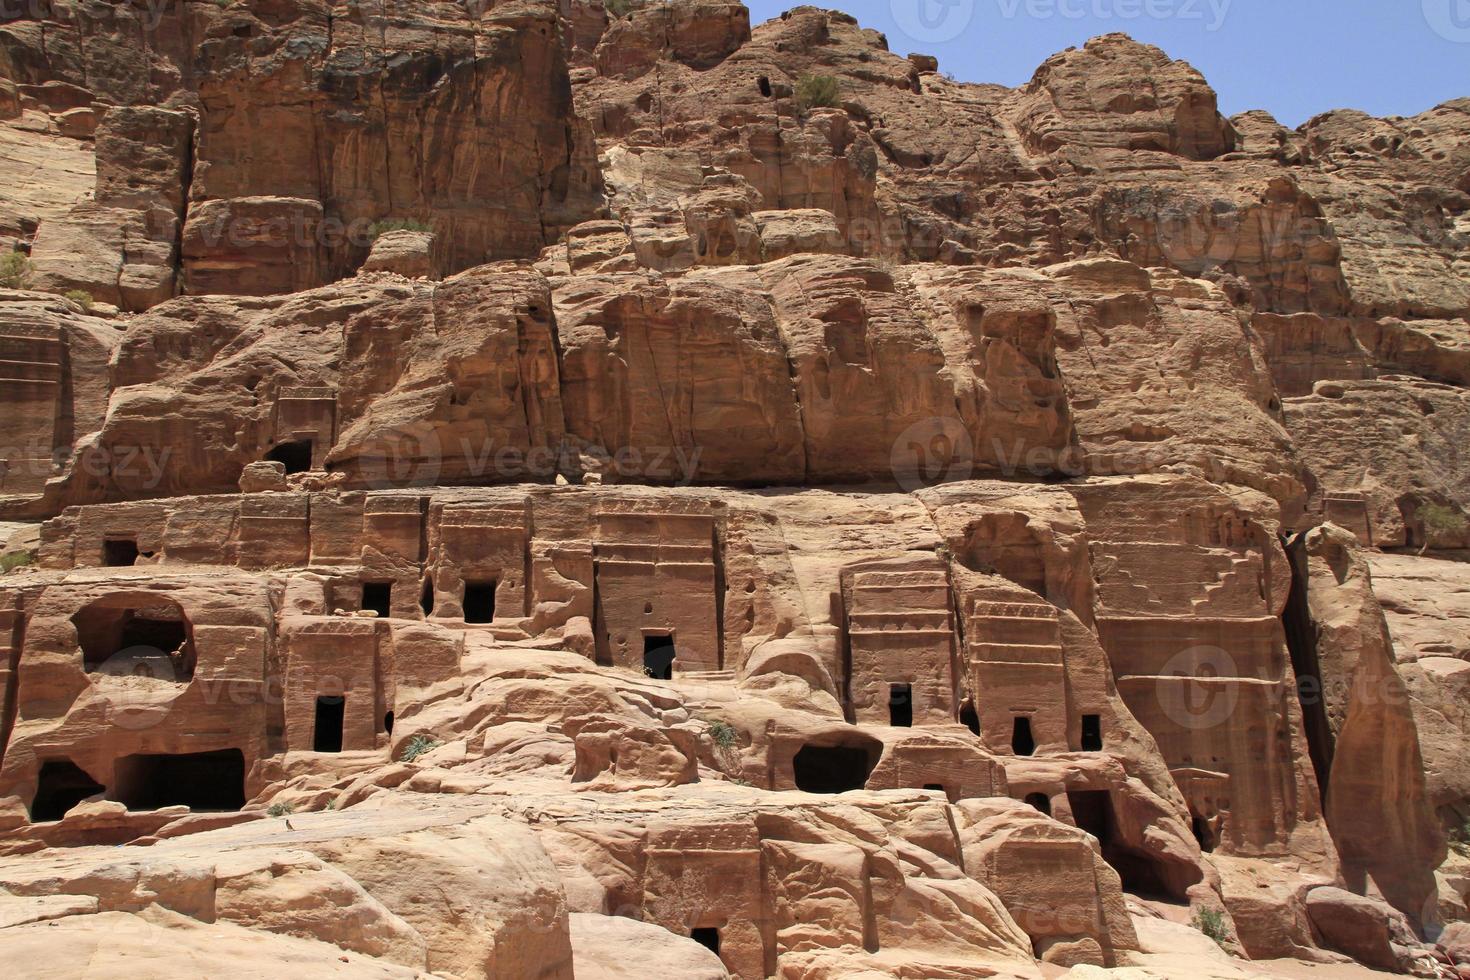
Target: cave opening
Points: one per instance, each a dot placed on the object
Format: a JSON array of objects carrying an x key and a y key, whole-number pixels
[
  {"x": 658, "y": 656},
  {"x": 377, "y": 597},
  {"x": 901, "y": 705},
  {"x": 1039, "y": 802},
  {"x": 708, "y": 937},
  {"x": 835, "y": 768},
  {"x": 479, "y": 602},
  {"x": 61, "y": 785},
  {"x": 1022, "y": 741},
  {"x": 327, "y": 733},
  {"x": 120, "y": 552},
  {"x": 1203, "y": 832},
  {"x": 970, "y": 718},
  {"x": 295, "y": 455},
  {"x": 197, "y": 780},
  {"x": 141, "y": 638},
  {"x": 1092, "y": 740},
  {"x": 426, "y": 597},
  {"x": 1142, "y": 874}
]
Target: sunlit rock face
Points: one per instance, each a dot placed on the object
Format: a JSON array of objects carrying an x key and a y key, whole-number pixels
[{"x": 592, "y": 489}]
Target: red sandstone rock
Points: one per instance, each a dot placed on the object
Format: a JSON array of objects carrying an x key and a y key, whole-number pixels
[{"x": 740, "y": 537}]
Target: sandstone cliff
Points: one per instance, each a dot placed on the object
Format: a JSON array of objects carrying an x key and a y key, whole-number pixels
[{"x": 522, "y": 489}]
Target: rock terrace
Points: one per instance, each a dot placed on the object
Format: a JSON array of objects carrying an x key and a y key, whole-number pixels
[{"x": 562, "y": 489}]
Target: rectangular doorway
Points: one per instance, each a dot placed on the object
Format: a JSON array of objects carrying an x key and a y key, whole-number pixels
[{"x": 330, "y": 715}]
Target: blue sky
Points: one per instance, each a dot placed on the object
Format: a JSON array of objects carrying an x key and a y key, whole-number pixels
[{"x": 1295, "y": 58}]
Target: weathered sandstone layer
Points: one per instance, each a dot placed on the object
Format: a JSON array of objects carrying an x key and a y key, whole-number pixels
[{"x": 524, "y": 489}]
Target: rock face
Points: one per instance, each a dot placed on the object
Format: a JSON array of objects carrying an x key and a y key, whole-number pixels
[
  {"x": 516, "y": 490},
  {"x": 457, "y": 117}
]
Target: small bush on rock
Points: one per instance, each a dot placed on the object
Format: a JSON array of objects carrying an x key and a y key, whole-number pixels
[
  {"x": 817, "y": 91},
  {"x": 1439, "y": 521},
  {"x": 1211, "y": 922},
  {"x": 280, "y": 809},
  {"x": 15, "y": 270},
  {"x": 417, "y": 746},
  {"x": 80, "y": 297},
  {"x": 14, "y": 560},
  {"x": 723, "y": 733}
]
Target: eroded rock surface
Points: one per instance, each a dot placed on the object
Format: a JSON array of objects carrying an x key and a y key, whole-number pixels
[{"x": 517, "y": 490}]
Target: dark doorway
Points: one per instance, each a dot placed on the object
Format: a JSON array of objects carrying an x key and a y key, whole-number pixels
[
  {"x": 327, "y": 736},
  {"x": 119, "y": 552},
  {"x": 1092, "y": 733},
  {"x": 1039, "y": 802},
  {"x": 901, "y": 705},
  {"x": 378, "y": 596},
  {"x": 138, "y": 641},
  {"x": 1022, "y": 741},
  {"x": 708, "y": 937},
  {"x": 970, "y": 718},
  {"x": 164, "y": 635},
  {"x": 61, "y": 786},
  {"x": 426, "y": 597},
  {"x": 388, "y": 723},
  {"x": 1203, "y": 833},
  {"x": 295, "y": 456},
  {"x": 479, "y": 602},
  {"x": 197, "y": 780},
  {"x": 834, "y": 768},
  {"x": 764, "y": 84},
  {"x": 1092, "y": 811},
  {"x": 658, "y": 656}
]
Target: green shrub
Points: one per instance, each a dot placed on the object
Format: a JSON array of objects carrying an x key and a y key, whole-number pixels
[
  {"x": 723, "y": 733},
  {"x": 417, "y": 746},
  {"x": 280, "y": 809},
  {"x": 1211, "y": 922},
  {"x": 817, "y": 91},
  {"x": 620, "y": 8},
  {"x": 80, "y": 297},
  {"x": 15, "y": 270},
  {"x": 380, "y": 228},
  {"x": 14, "y": 560},
  {"x": 1439, "y": 521}
]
